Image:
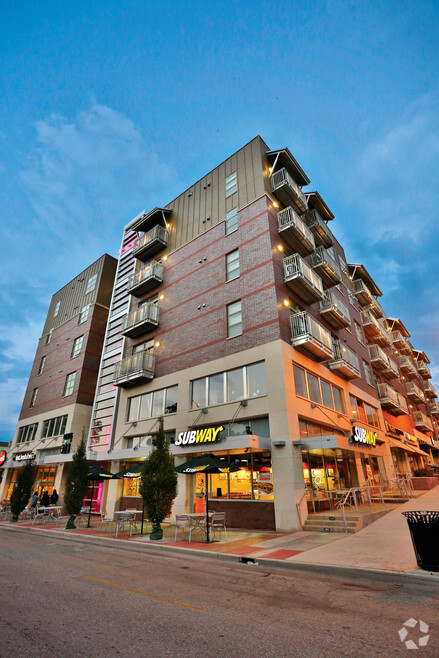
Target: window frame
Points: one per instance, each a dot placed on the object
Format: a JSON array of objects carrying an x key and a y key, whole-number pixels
[
  {"x": 42, "y": 365},
  {"x": 75, "y": 351},
  {"x": 231, "y": 184},
  {"x": 69, "y": 384},
  {"x": 85, "y": 312},
  {"x": 230, "y": 316},
  {"x": 232, "y": 221},
  {"x": 231, "y": 274},
  {"x": 33, "y": 398},
  {"x": 91, "y": 283},
  {"x": 56, "y": 311}
]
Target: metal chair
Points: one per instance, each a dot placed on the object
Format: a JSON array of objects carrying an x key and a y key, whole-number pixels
[
  {"x": 182, "y": 521},
  {"x": 105, "y": 521},
  {"x": 218, "y": 522},
  {"x": 83, "y": 515},
  {"x": 126, "y": 518}
]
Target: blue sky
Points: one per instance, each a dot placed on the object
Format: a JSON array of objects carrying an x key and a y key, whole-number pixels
[{"x": 109, "y": 108}]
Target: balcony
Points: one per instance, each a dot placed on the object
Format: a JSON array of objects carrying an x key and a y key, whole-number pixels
[
  {"x": 423, "y": 370},
  {"x": 399, "y": 342},
  {"x": 362, "y": 293},
  {"x": 377, "y": 309},
  {"x": 146, "y": 279},
  {"x": 430, "y": 391},
  {"x": 140, "y": 321},
  {"x": 407, "y": 366},
  {"x": 134, "y": 370},
  {"x": 322, "y": 234},
  {"x": 295, "y": 232},
  {"x": 151, "y": 243},
  {"x": 287, "y": 190},
  {"x": 374, "y": 330},
  {"x": 392, "y": 400},
  {"x": 422, "y": 422},
  {"x": 382, "y": 362},
  {"x": 345, "y": 362},
  {"x": 414, "y": 392},
  {"x": 299, "y": 276},
  {"x": 309, "y": 334},
  {"x": 335, "y": 311},
  {"x": 326, "y": 267},
  {"x": 433, "y": 409}
]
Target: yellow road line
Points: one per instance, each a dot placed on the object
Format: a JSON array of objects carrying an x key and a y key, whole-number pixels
[{"x": 151, "y": 596}]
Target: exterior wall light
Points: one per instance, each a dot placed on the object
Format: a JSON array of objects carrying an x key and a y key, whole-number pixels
[
  {"x": 280, "y": 247},
  {"x": 275, "y": 204},
  {"x": 286, "y": 302},
  {"x": 165, "y": 258},
  {"x": 161, "y": 297},
  {"x": 157, "y": 344}
]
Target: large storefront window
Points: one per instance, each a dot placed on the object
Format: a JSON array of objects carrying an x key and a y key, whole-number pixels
[
  {"x": 152, "y": 405},
  {"x": 45, "y": 480},
  {"x": 254, "y": 481}
]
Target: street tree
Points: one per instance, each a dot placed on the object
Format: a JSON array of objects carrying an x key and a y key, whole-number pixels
[
  {"x": 76, "y": 484},
  {"x": 22, "y": 490},
  {"x": 158, "y": 483}
]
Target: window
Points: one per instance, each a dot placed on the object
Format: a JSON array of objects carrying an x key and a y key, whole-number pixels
[
  {"x": 77, "y": 345},
  {"x": 318, "y": 390},
  {"x": 234, "y": 319},
  {"x": 152, "y": 405},
  {"x": 27, "y": 433},
  {"x": 232, "y": 265},
  {"x": 367, "y": 372},
  {"x": 84, "y": 313},
  {"x": 69, "y": 384},
  {"x": 154, "y": 300},
  {"x": 359, "y": 332},
  {"x": 146, "y": 346},
  {"x": 371, "y": 415},
  {"x": 33, "y": 398},
  {"x": 91, "y": 284},
  {"x": 237, "y": 384},
  {"x": 49, "y": 336},
  {"x": 232, "y": 221},
  {"x": 54, "y": 427},
  {"x": 58, "y": 304},
  {"x": 231, "y": 184},
  {"x": 42, "y": 364}
]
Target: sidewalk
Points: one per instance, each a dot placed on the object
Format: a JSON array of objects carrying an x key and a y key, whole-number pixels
[{"x": 385, "y": 545}]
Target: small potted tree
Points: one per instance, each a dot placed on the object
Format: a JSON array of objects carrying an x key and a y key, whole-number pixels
[
  {"x": 76, "y": 485},
  {"x": 158, "y": 483},
  {"x": 22, "y": 490}
]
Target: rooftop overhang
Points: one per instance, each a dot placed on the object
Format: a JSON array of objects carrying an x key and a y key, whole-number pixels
[
  {"x": 285, "y": 159},
  {"x": 316, "y": 202},
  {"x": 421, "y": 356},
  {"x": 147, "y": 220},
  {"x": 233, "y": 444},
  {"x": 358, "y": 271},
  {"x": 395, "y": 324}
]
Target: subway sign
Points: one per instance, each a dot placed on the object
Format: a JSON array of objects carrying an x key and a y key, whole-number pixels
[
  {"x": 206, "y": 435},
  {"x": 360, "y": 435}
]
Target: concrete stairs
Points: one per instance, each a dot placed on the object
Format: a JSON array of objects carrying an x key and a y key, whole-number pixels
[{"x": 333, "y": 521}]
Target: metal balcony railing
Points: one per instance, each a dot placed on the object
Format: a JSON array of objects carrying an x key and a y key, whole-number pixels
[
  {"x": 134, "y": 369},
  {"x": 422, "y": 421},
  {"x": 433, "y": 408},
  {"x": 145, "y": 315},
  {"x": 150, "y": 243},
  {"x": 399, "y": 342},
  {"x": 362, "y": 293},
  {"x": 298, "y": 274},
  {"x": 321, "y": 232},
  {"x": 345, "y": 361},
  {"x": 281, "y": 180},
  {"x": 414, "y": 392},
  {"x": 295, "y": 232},
  {"x": 430, "y": 390},
  {"x": 391, "y": 399},
  {"x": 326, "y": 266},
  {"x": 423, "y": 369},
  {"x": 407, "y": 366},
  {"x": 333, "y": 308},
  {"x": 383, "y": 362},
  {"x": 146, "y": 278},
  {"x": 306, "y": 331}
]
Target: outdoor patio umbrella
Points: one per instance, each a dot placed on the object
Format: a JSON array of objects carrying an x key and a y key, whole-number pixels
[
  {"x": 96, "y": 474},
  {"x": 206, "y": 464},
  {"x": 133, "y": 472}
]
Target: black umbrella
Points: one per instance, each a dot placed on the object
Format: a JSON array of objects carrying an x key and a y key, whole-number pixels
[
  {"x": 207, "y": 463},
  {"x": 96, "y": 474},
  {"x": 133, "y": 472}
]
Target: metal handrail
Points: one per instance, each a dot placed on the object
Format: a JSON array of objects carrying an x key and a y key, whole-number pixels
[
  {"x": 288, "y": 217},
  {"x": 295, "y": 264},
  {"x": 332, "y": 300},
  {"x": 303, "y": 323},
  {"x": 156, "y": 233},
  {"x": 282, "y": 177}
]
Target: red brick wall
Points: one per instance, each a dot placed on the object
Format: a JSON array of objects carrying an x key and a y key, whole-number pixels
[{"x": 246, "y": 513}]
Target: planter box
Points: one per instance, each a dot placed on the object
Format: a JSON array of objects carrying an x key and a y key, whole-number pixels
[{"x": 424, "y": 483}]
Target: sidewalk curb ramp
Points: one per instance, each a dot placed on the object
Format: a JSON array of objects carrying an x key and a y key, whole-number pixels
[{"x": 401, "y": 577}]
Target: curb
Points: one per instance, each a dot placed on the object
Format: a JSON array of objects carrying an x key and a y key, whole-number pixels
[{"x": 134, "y": 546}]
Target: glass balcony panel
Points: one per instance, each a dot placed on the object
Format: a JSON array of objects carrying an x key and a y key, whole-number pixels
[{"x": 134, "y": 370}]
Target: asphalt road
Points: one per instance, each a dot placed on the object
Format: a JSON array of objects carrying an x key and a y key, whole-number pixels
[{"x": 67, "y": 598}]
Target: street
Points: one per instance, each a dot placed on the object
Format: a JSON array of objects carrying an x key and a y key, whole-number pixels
[{"x": 67, "y": 598}]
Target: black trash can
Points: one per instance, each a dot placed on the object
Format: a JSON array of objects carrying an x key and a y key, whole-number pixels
[{"x": 424, "y": 529}]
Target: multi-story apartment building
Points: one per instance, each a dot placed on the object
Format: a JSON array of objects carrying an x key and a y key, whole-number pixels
[
  {"x": 59, "y": 397},
  {"x": 237, "y": 317}
]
